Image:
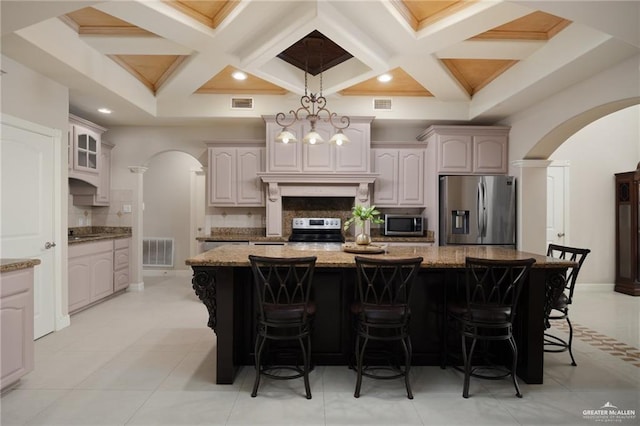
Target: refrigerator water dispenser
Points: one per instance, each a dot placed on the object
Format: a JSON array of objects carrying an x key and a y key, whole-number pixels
[{"x": 460, "y": 222}]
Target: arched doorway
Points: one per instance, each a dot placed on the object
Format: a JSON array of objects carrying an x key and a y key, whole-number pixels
[
  {"x": 592, "y": 142},
  {"x": 608, "y": 145},
  {"x": 173, "y": 190}
]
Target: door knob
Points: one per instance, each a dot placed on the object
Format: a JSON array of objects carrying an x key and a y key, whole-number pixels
[
  {"x": 560, "y": 234},
  {"x": 49, "y": 245}
]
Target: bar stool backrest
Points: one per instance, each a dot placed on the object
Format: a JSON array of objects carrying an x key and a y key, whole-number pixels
[
  {"x": 283, "y": 287},
  {"x": 386, "y": 282},
  {"x": 493, "y": 288},
  {"x": 573, "y": 254}
]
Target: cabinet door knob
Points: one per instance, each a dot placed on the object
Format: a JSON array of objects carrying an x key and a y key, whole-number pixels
[
  {"x": 560, "y": 234},
  {"x": 49, "y": 245}
]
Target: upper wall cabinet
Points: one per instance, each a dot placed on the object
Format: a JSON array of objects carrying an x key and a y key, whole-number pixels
[
  {"x": 84, "y": 149},
  {"x": 469, "y": 149},
  {"x": 319, "y": 158},
  {"x": 232, "y": 176},
  {"x": 401, "y": 177},
  {"x": 89, "y": 163},
  {"x": 89, "y": 195}
]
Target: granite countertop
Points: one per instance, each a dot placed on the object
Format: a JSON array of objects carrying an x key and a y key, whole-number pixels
[
  {"x": 87, "y": 234},
  {"x": 8, "y": 265},
  {"x": 331, "y": 255},
  {"x": 240, "y": 234},
  {"x": 259, "y": 235}
]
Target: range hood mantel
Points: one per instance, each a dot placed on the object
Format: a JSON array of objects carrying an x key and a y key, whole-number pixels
[
  {"x": 311, "y": 185},
  {"x": 319, "y": 178}
]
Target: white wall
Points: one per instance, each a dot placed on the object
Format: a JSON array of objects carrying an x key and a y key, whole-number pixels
[
  {"x": 32, "y": 97},
  {"x": 539, "y": 130},
  {"x": 607, "y": 146}
]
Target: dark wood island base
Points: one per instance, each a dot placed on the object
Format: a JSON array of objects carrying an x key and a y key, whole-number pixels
[{"x": 222, "y": 280}]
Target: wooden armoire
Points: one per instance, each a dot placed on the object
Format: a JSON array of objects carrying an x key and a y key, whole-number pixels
[{"x": 628, "y": 232}]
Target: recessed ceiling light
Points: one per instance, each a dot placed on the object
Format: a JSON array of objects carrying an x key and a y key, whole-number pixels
[
  {"x": 384, "y": 78},
  {"x": 239, "y": 75},
  {"x": 104, "y": 110}
]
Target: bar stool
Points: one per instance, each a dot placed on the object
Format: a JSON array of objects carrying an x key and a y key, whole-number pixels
[
  {"x": 559, "y": 295},
  {"x": 284, "y": 312},
  {"x": 487, "y": 313},
  {"x": 382, "y": 314}
]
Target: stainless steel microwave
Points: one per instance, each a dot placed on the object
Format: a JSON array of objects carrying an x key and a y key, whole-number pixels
[{"x": 403, "y": 225}]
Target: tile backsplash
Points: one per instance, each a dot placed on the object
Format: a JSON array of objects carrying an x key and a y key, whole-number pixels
[
  {"x": 314, "y": 207},
  {"x": 111, "y": 215}
]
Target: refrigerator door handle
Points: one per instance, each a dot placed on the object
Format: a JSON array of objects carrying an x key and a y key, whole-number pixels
[
  {"x": 484, "y": 208},
  {"x": 479, "y": 208},
  {"x": 482, "y": 211}
]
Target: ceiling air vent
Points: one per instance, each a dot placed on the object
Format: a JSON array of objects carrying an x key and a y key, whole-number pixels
[
  {"x": 382, "y": 104},
  {"x": 241, "y": 103}
]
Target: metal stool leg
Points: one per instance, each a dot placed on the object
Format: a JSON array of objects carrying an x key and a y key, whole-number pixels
[
  {"x": 573, "y": 361},
  {"x": 406, "y": 346},
  {"x": 359, "y": 364},
  {"x": 514, "y": 350},
  {"x": 260, "y": 340}
]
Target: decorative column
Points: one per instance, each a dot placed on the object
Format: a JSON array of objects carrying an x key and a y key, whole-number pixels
[
  {"x": 137, "y": 281},
  {"x": 273, "y": 210},
  {"x": 532, "y": 205}
]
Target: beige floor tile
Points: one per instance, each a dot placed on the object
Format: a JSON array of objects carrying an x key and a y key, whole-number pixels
[
  {"x": 89, "y": 407},
  {"x": 147, "y": 358}
]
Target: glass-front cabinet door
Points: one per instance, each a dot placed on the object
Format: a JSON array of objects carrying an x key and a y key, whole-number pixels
[{"x": 86, "y": 150}]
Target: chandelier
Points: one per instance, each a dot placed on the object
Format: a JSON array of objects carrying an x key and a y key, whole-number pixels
[{"x": 314, "y": 109}]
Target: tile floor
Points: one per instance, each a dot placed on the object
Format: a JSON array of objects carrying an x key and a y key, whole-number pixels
[{"x": 147, "y": 359}]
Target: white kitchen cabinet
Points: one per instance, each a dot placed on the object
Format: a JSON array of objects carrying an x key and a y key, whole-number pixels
[
  {"x": 121, "y": 266},
  {"x": 283, "y": 157},
  {"x": 233, "y": 179},
  {"x": 401, "y": 177},
  {"x": 328, "y": 157},
  {"x": 16, "y": 320},
  {"x": 103, "y": 192},
  {"x": 90, "y": 273},
  {"x": 319, "y": 158},
  {"x": 490, "y": 154},
  {"x": 89, "y": 195},
  {"x": 89, "y": 163},
  {"x": 455, "y": 154},
  {"x": 85, "y": 148},
  {"x": 469, "y": 149}
]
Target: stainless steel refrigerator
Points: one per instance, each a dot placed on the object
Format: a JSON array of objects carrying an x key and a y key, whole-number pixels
[{"x": 478, "y": 210}]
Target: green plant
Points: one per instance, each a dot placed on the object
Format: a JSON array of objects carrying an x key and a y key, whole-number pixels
[{"x": 361, "y": 214}]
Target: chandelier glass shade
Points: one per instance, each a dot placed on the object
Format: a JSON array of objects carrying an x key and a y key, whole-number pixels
[{"x": 313, "y": 108}]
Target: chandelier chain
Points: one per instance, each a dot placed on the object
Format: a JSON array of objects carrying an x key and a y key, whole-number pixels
[{"x": 321, "y": 71}]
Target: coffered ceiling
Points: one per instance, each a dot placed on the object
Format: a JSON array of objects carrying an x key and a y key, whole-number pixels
[{"x": 450, "y": 61}]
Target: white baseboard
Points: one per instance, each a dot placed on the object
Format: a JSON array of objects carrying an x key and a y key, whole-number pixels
[
  {"x": 63, "y": 322},
  {"x": 594, "y": 287},
  {"x": 166, "y": 273},
  {"x": 136, "y": 286}
]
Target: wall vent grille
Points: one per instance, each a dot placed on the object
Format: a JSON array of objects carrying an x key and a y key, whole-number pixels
[
  {"x": 382, "y": 104},
  {"x": 157, "y": 252},
  {"x": 241, "y": 103}
]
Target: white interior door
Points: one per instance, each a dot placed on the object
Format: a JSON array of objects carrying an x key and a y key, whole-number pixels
[
  {"x": 557, "y": 207},
  {"x": 27, "y": 200}
]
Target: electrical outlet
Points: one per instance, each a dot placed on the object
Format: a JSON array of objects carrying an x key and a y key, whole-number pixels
[{"x": 126, "y": 208}]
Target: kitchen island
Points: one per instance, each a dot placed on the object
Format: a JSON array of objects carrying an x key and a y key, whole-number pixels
[{"x": 222, "y": 280}]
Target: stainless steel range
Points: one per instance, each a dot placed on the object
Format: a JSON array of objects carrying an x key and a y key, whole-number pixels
[{"x": 316, "y": 230}]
